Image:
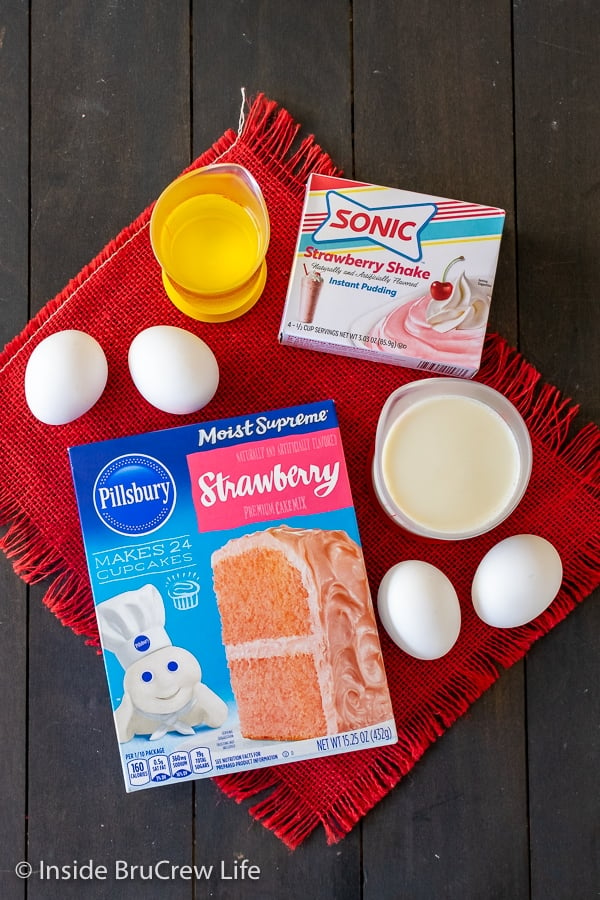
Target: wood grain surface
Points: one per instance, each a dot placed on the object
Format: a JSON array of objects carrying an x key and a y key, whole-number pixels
[{"x": 102, "y": 103}]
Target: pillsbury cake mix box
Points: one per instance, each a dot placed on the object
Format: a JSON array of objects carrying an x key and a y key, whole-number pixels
[
  {"x": 392, "y": 276},
  {"x": 231, "y": 595}
]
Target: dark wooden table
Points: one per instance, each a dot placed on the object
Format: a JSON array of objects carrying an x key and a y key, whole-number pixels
[{"x": 102, "y": 103}]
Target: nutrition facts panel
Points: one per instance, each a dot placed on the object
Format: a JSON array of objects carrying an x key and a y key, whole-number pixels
[{"x": 161, "y": 767}]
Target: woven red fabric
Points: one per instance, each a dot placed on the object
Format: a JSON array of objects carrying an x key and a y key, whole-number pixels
[{"x": 120, "y": 293}]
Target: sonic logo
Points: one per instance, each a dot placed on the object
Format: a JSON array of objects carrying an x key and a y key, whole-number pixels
[{"x": 397, "y": 228}]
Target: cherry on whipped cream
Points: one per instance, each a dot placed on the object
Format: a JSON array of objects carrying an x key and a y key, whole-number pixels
[{"x": 441, "y": 290}]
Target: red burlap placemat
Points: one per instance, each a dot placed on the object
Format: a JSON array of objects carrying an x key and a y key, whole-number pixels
[{"x": 120, "y": 293}]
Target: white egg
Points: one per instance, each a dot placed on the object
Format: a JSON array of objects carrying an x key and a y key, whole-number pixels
[
  {"x": 65, "y": 376},
  {"x": 419, "y": 609},
  {"x": 173, "y": 369},
  {"x": 516, "y": 581}
]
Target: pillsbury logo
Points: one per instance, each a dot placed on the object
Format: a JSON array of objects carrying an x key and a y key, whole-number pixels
[
  {"x": 134, "y": 494},
  {"x": 141, "y": 643},
  {"x": 396, "y": 228}
]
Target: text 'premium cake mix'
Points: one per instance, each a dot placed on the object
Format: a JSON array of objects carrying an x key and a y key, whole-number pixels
[
  {"x": 231, "y": 595},
  {"x": 392, "y": 276}
]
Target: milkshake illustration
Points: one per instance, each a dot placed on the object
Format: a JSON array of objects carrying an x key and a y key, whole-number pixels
[{"x": 310, "y": 289}]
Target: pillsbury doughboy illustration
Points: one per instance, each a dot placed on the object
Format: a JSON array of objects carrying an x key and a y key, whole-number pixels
[{"x": 163, "y": 689}]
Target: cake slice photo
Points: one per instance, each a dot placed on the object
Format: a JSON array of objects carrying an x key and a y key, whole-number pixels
[{"x": 300, "y": 634}]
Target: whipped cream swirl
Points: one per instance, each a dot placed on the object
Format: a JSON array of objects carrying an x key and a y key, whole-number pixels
[{"x": 465, "y": 308}]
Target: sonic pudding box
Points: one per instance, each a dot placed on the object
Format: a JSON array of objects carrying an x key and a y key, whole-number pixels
[
  {"x": 393, "y": 276},
  {"x": 231, "y": 595}
]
